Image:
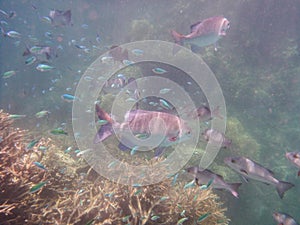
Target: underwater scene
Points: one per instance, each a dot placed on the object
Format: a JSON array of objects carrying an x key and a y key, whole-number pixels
[{"x": 149, "y": 112}]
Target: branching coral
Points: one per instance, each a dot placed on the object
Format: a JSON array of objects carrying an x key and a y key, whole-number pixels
[
  {"x": 17, "y": 171},
  {"x": 84, "y": 197}
]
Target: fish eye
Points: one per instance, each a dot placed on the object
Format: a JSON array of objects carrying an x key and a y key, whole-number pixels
[{"x": 233, "y": 161}]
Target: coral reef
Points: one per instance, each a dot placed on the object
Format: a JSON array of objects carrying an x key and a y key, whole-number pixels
[
  {"x": 17, "y": 172},
  {"x": 78, "y": 195}
]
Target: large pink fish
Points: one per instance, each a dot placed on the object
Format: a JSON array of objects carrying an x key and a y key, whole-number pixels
[
  {"x": 203, "y": 33},
  {"x": 173, "y": 130}
]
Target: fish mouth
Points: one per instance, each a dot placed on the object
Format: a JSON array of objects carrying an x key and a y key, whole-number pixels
[{"x": 225, "y": 25}]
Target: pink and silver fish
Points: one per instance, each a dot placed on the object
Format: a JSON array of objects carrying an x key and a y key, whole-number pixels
[
  {"x": 284, "y": 219},
  {"x": 203, "y": 33},
  {"x": 251, "y": 169},
  {"x": 294, "y": 157},
  {"x": 218, "y": 182},
  {"x": 145, "y": 122},
  {"x": 60, "y": 18},
  {"x": 215, "y": 136}
]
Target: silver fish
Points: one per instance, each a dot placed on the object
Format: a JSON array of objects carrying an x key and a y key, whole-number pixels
[
  {"x": 60, "y": 18},
  {"x": 175, "y": 129},
  {"x": 216, "y": 136},
  {"x": 250, "y": 169},
  {"x": 284, "y": 219},
  {"x": 205, "y": 176},
  {"x": 203, "y": 113},
  {"x": 203, "y": 33},
  {"x": 40, "y": 50},
  {"x": 294, "y": 157}
]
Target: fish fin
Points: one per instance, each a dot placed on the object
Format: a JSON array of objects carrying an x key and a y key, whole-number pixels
[
  {"x": 123, "y": 147},
  {"x": 216, "y": 113},
  {"x": 282, "y": 187},
  {"x": 234, "y": 189},
  {"x": 245, "y": 179},
  {"x": 104, "y": 132},
  {"x": 48, "y": 56},
  {"x": 159, "y": 151},
  {"x": 178, "y": 38},
  {"x": 67, "y": 17},
  {"x": 194, "y": 26},
  {"x": 26, "y": 52},
  {"x": 244, "y": 172},
  {"x": 216, "y": 47},
  {"x": 195, "y": 48},
  {"x": 102, "y": 115}
]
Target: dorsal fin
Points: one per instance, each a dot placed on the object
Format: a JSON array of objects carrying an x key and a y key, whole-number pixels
[{"x": 194, "y": 26}]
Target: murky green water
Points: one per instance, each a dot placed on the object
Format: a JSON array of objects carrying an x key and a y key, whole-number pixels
[{"x": 256, "y": 64}]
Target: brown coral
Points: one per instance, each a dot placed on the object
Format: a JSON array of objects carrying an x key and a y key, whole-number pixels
[{"x": 85, "y": 197}]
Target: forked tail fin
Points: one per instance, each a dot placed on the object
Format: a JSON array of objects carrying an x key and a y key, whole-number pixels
[
  {"x": 234, "y": 189},
  {"x": 282, "y": 187},
  {"x": 178, "y": 38},
  {"x": 105, "y": 130}
]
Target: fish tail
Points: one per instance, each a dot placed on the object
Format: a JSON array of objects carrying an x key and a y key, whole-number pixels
[
  {"x": 234, "y": 189},
  {"x": 105, "y": 130},
  {"x": 3, "y": 32},
  {"x": 26, "y": 52},
  {"x": 178, "y": 38},
  {"x": 67, "y": 16},
  {"x": 282, "y": 187},
  {"x": 216, "y": 113}
]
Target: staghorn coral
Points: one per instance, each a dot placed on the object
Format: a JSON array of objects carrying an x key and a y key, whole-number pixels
[
  {"x": 17, "y": 171},
  {"x": 84, "y": 197}
]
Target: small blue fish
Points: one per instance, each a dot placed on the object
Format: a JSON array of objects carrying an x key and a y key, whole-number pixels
[
  {"x": 68, "y": 97},
  {"x": 126, "y": 218},
  {"x": 127, "y": 62},
  {"x": 182, "y": 220},
  {"x": 190, "y": 184},
  {"x": 13, "y": 34},
  {"x": 164, "y": 91},
  {"x": 37, "y": 187},
  {"x": 31, "y": 144},
  {"x": 175, "y": 179},
  {"x": 42, "y": 148},
  {"x": 68, "y": 149},
  {"x": 133, "y": 150},
  {"x": 164, "y": 198},
  {"x": 44, "y": 67},
  {"x": 203, "y": 217},
  {"x": 137, "y": 52},
  {"x": 40, "y": 165},
  {"x": 137, "y": 192},
  {"x": 16, "y": 116},
  {"x": 102, "y": 122},
  {"x": 206, "y": 186},
  {"x": 163, "y": 103},
  {"x": 182, "y": 213},
  {"x": 153, "y": 218},
  {"x": 30, "y": 60},
  {"x": 158, "y": 70}
]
